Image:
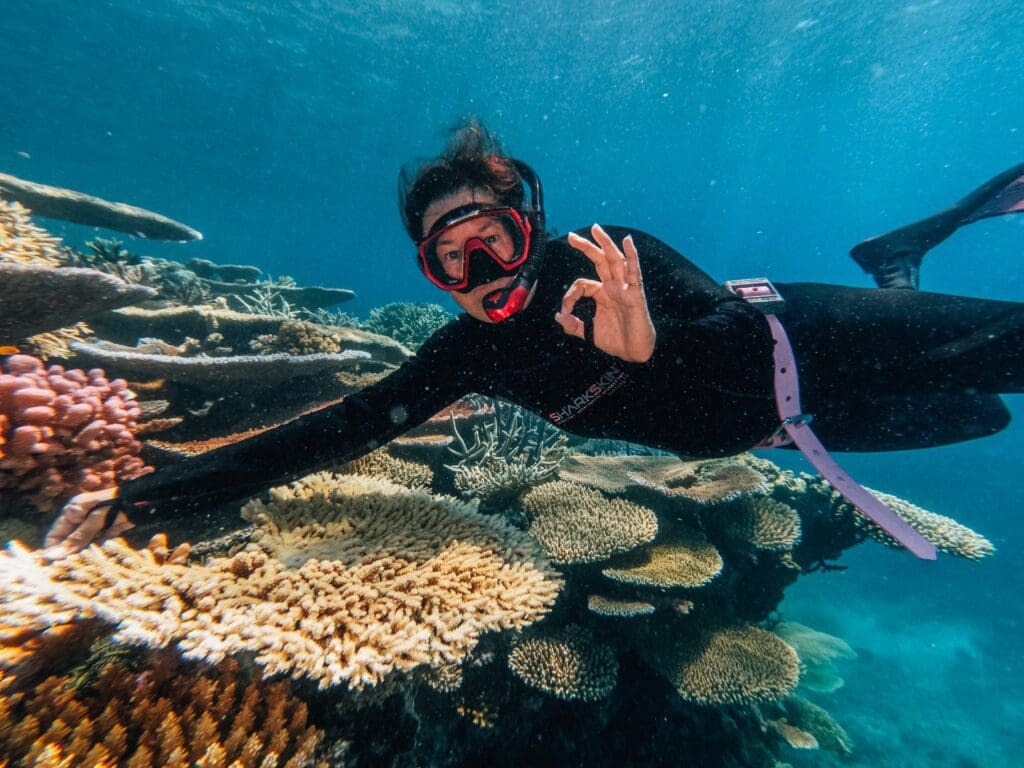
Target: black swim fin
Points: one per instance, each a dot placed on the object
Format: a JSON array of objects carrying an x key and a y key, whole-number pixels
[{"x": 894, "y": 259}]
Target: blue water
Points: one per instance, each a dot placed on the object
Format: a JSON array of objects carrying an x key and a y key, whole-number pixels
[{"x": 759, "y": 137}]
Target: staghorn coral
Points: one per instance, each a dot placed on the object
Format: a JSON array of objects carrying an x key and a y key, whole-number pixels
[
  {"x": 946, "y": 534},
  {"x": 704, "y": 482},
  {"x": 817, "y": 652},
  {"x": 760, "y": 521},
  {"x": 682, "y": 558},
  {"x": 170, "y": 715},
  {"x": 64, "y": 432},
  {"x": 732, "y": 664},
  {"x": 410, "y": 323},
  {"x": 380, "y": 463},
  {"x": 508, "y": 454},
  {"x": 355, "y": 579},
  {"x": 575, "y": 524},
  {"x": 569, "y": 664},
  {"x": 22, "y": 242},
  {"x": 617, "y": 608}
]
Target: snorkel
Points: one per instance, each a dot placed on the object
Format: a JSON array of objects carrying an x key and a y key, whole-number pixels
[{"x": 502, "y": 304}]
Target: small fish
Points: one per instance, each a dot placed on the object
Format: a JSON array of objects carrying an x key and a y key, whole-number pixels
[{"x": 8, "y": 350}]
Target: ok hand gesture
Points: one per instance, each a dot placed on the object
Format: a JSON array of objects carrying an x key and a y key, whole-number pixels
[{"x": 622, "y": 324}]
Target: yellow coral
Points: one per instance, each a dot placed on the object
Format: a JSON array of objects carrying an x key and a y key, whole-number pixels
[
  {"x": 169, "y": 716},
  {"x": 576, "y": 524},
  {"x": 23, "y": 242},
  {"x": 684, "y": 558},
  {"x": 568, "y": 664},
  {"x": 739, "y": 664},
  {"x": 380, "y": 463},
  {"x": 612, "y": 607},
  {"x": 357, "y": 578},
  {"x": 761, "y": 522}
]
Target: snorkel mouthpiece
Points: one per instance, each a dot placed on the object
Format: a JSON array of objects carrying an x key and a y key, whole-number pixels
[{"x": 502, "y": 304}]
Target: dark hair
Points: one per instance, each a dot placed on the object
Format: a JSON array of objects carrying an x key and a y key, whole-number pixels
[{"x": 473, "y": 158}]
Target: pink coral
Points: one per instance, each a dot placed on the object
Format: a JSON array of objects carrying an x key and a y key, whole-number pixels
[{"x": 63, "y": 432}]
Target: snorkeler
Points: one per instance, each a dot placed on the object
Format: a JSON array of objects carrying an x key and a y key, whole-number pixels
[{"x": 610, "y": 333}]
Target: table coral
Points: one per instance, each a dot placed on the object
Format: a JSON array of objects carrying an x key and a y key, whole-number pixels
[
  {"x": 576, "y": 524},
  {"x": 63, "y": 432},
  {"x": 683, "y": 558},
  {"x": 569, "y": 664}
]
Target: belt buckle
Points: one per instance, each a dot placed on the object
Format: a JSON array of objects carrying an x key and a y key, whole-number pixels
[{"x": 760, "y": 292}]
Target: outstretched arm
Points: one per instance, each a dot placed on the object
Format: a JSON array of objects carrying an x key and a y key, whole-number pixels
[{"x": 342, "y": 432}]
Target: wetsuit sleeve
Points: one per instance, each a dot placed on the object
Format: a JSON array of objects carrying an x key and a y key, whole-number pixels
[
  {"x": 703, "y": 330},
  {"x": 361, "y": 422}
]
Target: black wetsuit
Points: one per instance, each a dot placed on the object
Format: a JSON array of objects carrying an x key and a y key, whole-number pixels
[{"x": 879, "y": 369}]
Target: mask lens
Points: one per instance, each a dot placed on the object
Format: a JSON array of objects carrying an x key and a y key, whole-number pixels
[{"x": 492, "y": 240}]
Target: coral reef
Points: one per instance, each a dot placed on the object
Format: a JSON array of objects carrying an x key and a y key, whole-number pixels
[
  {"x": 509, "y": 453},
  {"x": 354, "y": 579},
  {"x": 576, "y": 524},
  {"x": 682, "y": 558},
  {"x": 229, "y": 373},
  {"x": 410, "y": 323},
  {"x": 569, "y": 664},
  {"x": 22, "y": 242},
  {"x": 63, "y": 432},
  {"x": 759, "y": 521},
  {"x": 736, "y": 664},
  {"x": 817, "y": 652},
  {"x": 37, "y": 299},
  {"x": 170, "y": 715},
  {"x": 68, "y": 205},
  {"x": 382, "y": 464},
  {"x": 703, "y": 482}
]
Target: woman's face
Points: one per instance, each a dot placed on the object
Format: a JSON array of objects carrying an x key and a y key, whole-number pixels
[{"x": 450, "y": 247}]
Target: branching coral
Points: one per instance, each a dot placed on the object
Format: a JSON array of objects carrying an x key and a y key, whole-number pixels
[
  {"x": 569, "y": 664},
  {"x": 575, "y": 524},
  {"x": 759, "y": 521},
  {"x": 734, "y": 664},
  {"x": 170, "y": 715},
  {"x": 64, "y": 432},
  {"x": 410, "y": 323},
  {"x": 22, "y": 242},
  {"x": 508, "y": 454},
  {"x": 682, "y": 558},
  {"x": 382, "y": 464},
  {"x": 355, "y": 579}
]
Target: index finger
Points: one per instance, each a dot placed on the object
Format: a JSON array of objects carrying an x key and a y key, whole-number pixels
[{"x": 594, "y": 253}]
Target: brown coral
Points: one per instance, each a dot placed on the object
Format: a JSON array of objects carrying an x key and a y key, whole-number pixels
[
  {"x": 380, "y": 463},
  {"x": 170, "y": 716},
  {"x": 576, "y": 524},
  {"x": 357, "y": 578},
  {"x": 738, "y": 664},
  {"x": 618, "y": 608},
  {"x": 683, "y": 558},
  {"x": 64, "y": 432},
  {"x": 569, "y": 664},
  {"x": 761, "y": 522}
]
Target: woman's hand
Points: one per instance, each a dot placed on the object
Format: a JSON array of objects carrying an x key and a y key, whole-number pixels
[
  {"x": 84, "y": 520},
  {"x": 622, "y": 323}
]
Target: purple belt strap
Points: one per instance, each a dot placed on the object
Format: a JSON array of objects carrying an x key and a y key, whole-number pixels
[{"x": 761, "y": 292}]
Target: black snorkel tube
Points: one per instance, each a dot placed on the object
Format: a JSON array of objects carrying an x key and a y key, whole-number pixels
[{"x": 502, "y": 304}]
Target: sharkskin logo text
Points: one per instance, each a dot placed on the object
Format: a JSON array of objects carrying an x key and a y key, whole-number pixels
[{"x": 610, "y": 381}]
